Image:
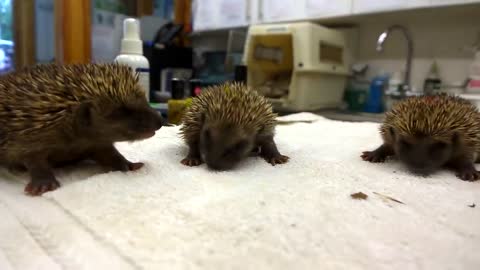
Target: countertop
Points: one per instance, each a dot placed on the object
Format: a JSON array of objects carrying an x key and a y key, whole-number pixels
[{"x": 341, "y": 115}]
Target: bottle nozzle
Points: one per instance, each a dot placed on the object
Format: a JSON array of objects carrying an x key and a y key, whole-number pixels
[
  {"x": 131, "y": 43},
  {"x": 131, "y": 29}
]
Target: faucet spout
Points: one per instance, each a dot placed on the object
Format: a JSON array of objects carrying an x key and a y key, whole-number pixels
[{"x": 408, "y": 66}]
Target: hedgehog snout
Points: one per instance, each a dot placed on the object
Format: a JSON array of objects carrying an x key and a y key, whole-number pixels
[
  {"x": 157, "y": 121},
  {"x": 214, "y": 160},
  {"x": 422, "y": 171},
  {"x": 218, "y": 165},
  {"x": 151, "y": 121},
  {"x": 421, "y": 167}
]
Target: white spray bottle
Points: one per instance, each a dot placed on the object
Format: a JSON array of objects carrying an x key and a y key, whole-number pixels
[{"x": 131, "y": 53}]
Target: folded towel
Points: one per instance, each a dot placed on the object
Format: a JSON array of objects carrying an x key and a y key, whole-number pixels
[{"x": 298, "y": 215}]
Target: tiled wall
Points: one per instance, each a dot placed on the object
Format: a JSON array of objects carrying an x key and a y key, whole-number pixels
[{"x": 436, "y": 37}]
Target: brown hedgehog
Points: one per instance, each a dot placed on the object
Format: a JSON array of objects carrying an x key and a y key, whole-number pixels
[
  {"x": 52, "y": 115},
  {"x": 225, "y": 124},
  {"x": 430, "y": 132}
]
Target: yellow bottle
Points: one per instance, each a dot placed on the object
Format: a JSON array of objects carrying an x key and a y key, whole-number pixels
[{"x": 176, "y": 108}]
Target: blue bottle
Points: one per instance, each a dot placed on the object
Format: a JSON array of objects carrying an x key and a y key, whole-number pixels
[{"x": 374, "y": 101}]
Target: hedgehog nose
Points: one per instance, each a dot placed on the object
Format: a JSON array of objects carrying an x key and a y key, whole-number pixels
[{"x": 158, "y": 121}]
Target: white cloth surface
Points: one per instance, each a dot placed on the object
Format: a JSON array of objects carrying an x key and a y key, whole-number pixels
[{"x": 297, "y": 215}]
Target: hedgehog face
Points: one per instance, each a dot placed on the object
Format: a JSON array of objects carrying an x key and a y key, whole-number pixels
[
  {"x": 223, "y": 146},
  {"x": 423, "y": 155},
  {"x": 116, "y": 123}
]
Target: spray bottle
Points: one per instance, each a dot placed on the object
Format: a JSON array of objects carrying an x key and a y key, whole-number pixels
[
  {"x": 131, "y": 53},
  {"x": 474, "y": 76}
]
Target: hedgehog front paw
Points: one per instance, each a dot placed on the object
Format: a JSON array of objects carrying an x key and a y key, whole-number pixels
[
  {"x": 280, "y": 159},
  {"x": 189, "y": 161},
  {"x": 469, "y": 174},
  {"x": 255, "y": 152},
  {"x": 379, "y": 154},
  {"x": 38, "y": 187},
  {"x": 373, "y": 156},
  {"x": 133, "y": 166}
]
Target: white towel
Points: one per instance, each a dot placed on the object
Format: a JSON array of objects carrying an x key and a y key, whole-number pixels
[{"x": 294, "y": 216}]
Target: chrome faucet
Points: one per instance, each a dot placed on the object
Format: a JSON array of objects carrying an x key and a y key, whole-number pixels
[{"x": 381, "y": 39}]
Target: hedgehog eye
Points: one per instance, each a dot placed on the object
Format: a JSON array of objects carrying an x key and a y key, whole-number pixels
[
  {"x": 455, "y": 138},
  {"x": 438, "y": 146},
  {"x": 207, "y": 135},
  {"x": 83, "y": 114},
  {"x": 126, "y": 111},
  {"x": 392, "y": 132},
  {"x": 238, "y": 147},
  {"x": 121, "y": 112},
  {"x": 405, "y": 144}
]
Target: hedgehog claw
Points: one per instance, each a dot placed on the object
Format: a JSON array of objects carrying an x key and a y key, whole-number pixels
[
  {"x": 37, "y": 188},
  {"x": 133, "y": 166},
  {"x": 281, "y": 159},
  {"x": 469, "y": 175},
  {"x": 372, "y": 156},
  {"x": 191, "y": 161}
]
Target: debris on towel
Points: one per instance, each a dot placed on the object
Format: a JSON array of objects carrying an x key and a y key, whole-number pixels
[
  {"x": 289, "y": 122},
  {"x": 388, "y": 198},
  {"x": 472, "y": 205},
  {"x": 359, "y": 196}
]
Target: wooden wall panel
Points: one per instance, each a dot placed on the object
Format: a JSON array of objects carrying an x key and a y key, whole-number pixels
[
  {"x": 144, "y": 8},
  {"x": 24, "y": 33},
  {"x": 73, "y": 31}
]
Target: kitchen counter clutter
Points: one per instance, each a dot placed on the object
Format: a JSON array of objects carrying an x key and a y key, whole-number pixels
[{"x": 340, "y": 115}]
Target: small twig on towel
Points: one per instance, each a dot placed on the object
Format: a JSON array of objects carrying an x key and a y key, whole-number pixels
[
  {"x": 359, "y": 196},
  {"x": 472, "y": 205},
  {"x": 388, "y": 197},
  {"x": 287, "y": 122}
]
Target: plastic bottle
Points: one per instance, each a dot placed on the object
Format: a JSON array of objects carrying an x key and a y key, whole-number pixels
[
  {"x": 375, "y": 94},
  {"x": 432, "y": 83},
  {"x": 131, "y": 53},
  {"x": 393, "y": 90},
  {"x": 474, "y": 75}
]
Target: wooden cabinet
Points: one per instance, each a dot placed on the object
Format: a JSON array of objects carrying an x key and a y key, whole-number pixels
[
  {"x": 327, "y": 8},
  {"x": 448, "y": 2},
  {"x": 203, "y": 15},
  {"x": 219, "y": 14},
  {"x": 233, "y": 13},
  {"x": 369, "y": 6},
  {"x": 222, "y": 14},
  {"x": 282, "y": 10}
]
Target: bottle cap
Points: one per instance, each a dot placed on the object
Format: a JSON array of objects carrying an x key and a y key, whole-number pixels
[{"x": 131, "y": 43}]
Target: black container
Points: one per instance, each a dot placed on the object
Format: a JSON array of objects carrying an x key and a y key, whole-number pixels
[
  {"x": 178, "y": 88},
  {"x": 193, "y": 85},
  {"x": 431, "y": 86},
  {"x": 241, "y": 74}
]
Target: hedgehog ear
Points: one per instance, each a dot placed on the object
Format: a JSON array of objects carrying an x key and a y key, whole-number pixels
[
  {"x": 202, "y": 118},
  {"x": 261, "y": 129},
  {"x": 392, "y": 132},
  {"x": 83, "y": 115},
  {"x": 455, "y": 138}
]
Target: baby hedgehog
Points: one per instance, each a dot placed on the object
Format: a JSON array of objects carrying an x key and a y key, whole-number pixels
[
  {"x": 53, "y": 115},
  {"x": 225, "y": 124},
  {"x": 430, "y": 132}
]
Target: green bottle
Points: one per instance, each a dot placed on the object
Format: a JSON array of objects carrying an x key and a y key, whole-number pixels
[{"x": 433, "y": 82}]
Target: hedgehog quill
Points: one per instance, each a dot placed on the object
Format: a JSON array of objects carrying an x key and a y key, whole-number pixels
[
  {"x": 53, "y": 115},
  {"x": 227, "y": 123},
  {"x": 432, "y": 132}
]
